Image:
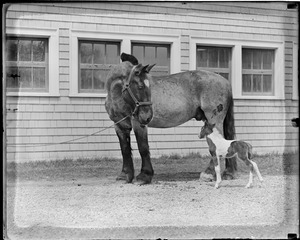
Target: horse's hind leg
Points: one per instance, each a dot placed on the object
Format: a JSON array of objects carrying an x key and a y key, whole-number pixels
[{"x": 127, "y": 173}]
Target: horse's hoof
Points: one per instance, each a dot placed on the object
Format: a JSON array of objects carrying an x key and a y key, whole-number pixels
[
  {"x": 127, "y": 177},
  {"x": 217, "y": 186},
  {"x": 206, "y": 177},
  {"x": 249, "y": 185},
  {"x": 143, "y": 179}
]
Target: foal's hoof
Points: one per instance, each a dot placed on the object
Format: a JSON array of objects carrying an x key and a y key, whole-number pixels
[
  {"x": 205, "y": 177},
  {"x": 127, "y": 177},
  {"x": 143, "y": 178}
]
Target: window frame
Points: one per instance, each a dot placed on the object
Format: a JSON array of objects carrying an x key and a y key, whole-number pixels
[
  {"x": 146, "y": 44},
  {"x": 30, "y": 64},
  {"x": 237, "y": 46},
  {"x": 216, "y": 69},
  {"x": 93, "y": 66},
  {"x": 261, "y": 71},
  {"x": 53, "y": 69},
  {"x": 126, "y": 40}
]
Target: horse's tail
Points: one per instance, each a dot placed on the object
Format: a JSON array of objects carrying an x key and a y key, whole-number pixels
[
  {"x": 229, "y": 132},
  {"x": 228, "y": 124}
]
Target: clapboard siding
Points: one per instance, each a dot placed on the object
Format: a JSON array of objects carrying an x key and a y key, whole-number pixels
[{"x": 46, "y": 121}]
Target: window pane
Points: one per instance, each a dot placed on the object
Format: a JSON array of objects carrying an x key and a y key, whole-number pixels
[
  {"x": 99, "y": 78},
  {"x": 38, "y": 49},
  {"x": 202, "y": 57},
  {"x": 99, "y": 53},
  {"x": 86, "y": 79},
  {"x": 257, "y": 60},
  {"x": 149, "y": 54},
  {"x": 25, "y": 77},
  {"x": 12, "y": 80},
  {"x": 12, "y": 50},
  {"x": 246, "y": 58},
  {"x": 257, "y": 84},
  {"x": 224, "y": 57},
  {"x": 267, "y": 83},
  {"x": 267, "y": 59},
  {"x": 212, "y": 57},
  {"x": 86, "y": 52},
  {"x": 25, "y": 50},
  {"x": 162, "y": 57},
  {"x": 246, "y": 86},
  {"x": 112, "y": 54},
  {"x": 39, "y": 78},
  {"x": 138, "y": 52}
]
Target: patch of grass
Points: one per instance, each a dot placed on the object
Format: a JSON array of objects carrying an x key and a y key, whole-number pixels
[{"x": 269, "y": 164}]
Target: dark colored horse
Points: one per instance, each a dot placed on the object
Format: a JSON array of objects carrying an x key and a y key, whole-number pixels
[{"x": 136, "y": 99}]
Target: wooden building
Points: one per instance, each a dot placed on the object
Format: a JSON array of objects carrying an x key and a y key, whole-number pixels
[{"x": 58, "y": 54}]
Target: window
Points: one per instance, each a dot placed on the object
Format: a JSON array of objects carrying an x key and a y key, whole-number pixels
[
  {"x": 27, "y": 64},
  {"x": 95, "y": 60},
  {"x": 153, "y": 53},
  {"x": 214, "y": 59},
  {"x": 257, "y": 71}
]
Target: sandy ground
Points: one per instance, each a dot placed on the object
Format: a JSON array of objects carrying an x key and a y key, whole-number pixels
[{"x": 101, "y": 207}]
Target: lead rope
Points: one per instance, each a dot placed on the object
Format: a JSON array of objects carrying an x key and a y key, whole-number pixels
[{"x": 72, "y": 140}]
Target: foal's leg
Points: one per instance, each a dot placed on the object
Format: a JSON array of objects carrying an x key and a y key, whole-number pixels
[
  {"x": 218, "y": 172},
  {"x": 141, "y": 135},
  {"x": 252, "y": 166},
  {"x": 257, "y": 171},
  {"x": 127, "y": 173}
]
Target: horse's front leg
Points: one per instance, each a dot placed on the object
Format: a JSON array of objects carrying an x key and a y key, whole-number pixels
[
  {"x": 127, "y": 173},
  {"x": 141, "y": 134}
]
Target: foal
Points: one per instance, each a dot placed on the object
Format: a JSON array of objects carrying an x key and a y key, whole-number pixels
[{"x": 228, "y": 149}]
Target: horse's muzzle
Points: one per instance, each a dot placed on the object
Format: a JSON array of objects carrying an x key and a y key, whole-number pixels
[{"x": 144, "y": 117}]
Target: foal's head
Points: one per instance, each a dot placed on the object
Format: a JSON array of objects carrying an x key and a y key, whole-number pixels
[{"x": 206, "y": 129}]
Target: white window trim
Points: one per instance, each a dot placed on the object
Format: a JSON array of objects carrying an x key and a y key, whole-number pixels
[
  {"x": 126, "y": 40},
  {"x": 53, "y": 65},
  {"x": 236, "y": 62},
  {"x": 295, "y": 73}
]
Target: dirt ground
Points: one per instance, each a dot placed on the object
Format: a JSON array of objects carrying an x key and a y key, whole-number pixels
[{"x": 81, "y": 199}]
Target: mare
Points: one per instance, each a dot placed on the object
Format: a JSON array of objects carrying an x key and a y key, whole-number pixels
[
  {"x": 229, "y": 148},
  {"x": 136, "y": 100}
]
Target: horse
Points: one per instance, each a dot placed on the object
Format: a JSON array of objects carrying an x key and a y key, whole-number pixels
[
  {"x": 229, "y": 148},
  {"x": 136, "y": 100}
]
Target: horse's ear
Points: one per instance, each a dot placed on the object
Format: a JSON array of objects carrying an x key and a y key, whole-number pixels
[
  {"x": 139, "y": 68},
  {"x": 148, "y": 68}
]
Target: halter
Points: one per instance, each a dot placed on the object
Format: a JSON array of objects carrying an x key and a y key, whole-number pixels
[{"x": 127, "y": 87}]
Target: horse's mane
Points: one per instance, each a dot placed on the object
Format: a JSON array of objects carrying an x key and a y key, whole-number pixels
[{"x": 119, "y": 71}]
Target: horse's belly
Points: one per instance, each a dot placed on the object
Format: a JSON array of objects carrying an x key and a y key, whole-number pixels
[
  {"x": 170, "y": 116},
  {"x": 166, "y": 123}
]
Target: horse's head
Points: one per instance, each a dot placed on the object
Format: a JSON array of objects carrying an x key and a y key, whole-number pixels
[
  {"x": 206, "y": 129},
  {"x": 136, "y": 92}
]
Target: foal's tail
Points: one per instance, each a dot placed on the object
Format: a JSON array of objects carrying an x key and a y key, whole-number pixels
[
  {"x": 228, "y": 124},
  {"x": 250, "y": 152}
]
